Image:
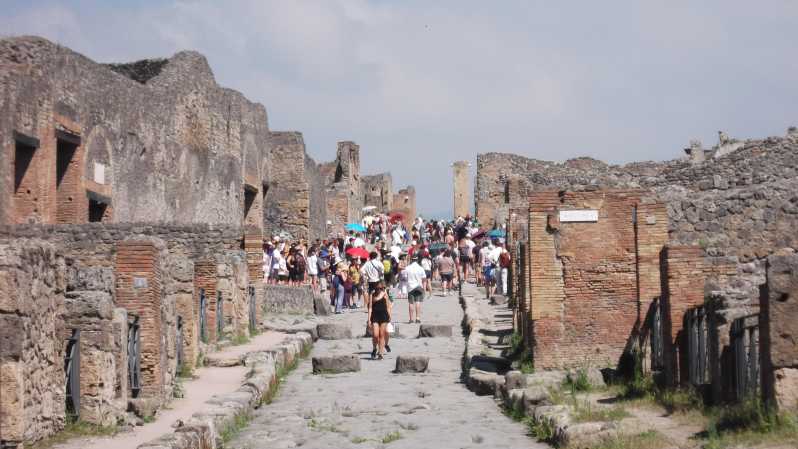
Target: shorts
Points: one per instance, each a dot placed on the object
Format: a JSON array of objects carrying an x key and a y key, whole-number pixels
[
  {"x": 282, "y": 277},
  {"x": 447, "y": 277},
  {"x": 415, "y": 295},
  {"x": 428, "y": 274},
  {"x": 298, "y": 276},
  {"x": 465, "y": 259},
  {"x": 488, "y": 273},
  {"x": 373, "y": 287}
]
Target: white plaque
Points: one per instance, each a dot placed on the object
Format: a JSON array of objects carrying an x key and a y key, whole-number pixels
[
  {"x": 578, "y": 216},
  {"x": 139, "y": 282},
  {"x": 99, "y": 173}
]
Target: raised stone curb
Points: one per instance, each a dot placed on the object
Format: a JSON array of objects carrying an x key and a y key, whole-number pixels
[
  {"x": 203, "y": 430},
  {"x": 336, "y": 364}
]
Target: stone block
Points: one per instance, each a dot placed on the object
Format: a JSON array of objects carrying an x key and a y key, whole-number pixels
[
  {"x": 334, "y": 331},
  {"x": 434, "y": 330},
  {"x": 11, "y": 331},
  {"x": 535, "y": 396},
  {"x": 336, "y": 364},
  {"x": 594, "y": 377},
  {"x": 321, "y": 306},
  {"x": 412, "y": 364},
  {"x": 786, "y": 388},
  {"x": 481, "y": 382},
  {"x": 12, "y": 388},
  {"x": 514, "y": 379},
  {"x": 144, "y": 407}
]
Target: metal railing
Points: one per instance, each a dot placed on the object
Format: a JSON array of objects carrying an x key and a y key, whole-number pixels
[
  {"x": 134, "y": 357},
  {"x": 72, "y": 372},
  {"x": 744, "y": 336}
]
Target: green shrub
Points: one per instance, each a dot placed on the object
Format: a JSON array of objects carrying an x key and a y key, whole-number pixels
[{"x": 542, "y": 430}]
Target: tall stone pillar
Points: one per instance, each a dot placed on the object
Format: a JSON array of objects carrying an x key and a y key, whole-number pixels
[{"x": 461, "y": 206}]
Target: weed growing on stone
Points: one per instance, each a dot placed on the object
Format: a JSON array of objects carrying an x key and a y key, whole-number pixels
[
  {"x": 578, "y": 382},
  {"x": 358, "y": 440},
  {"x": 391, "y": 437},
  {"x": 584, "y": 411},
  {"x": 148, "y": 419},
  {"x": 749, "y": 423},
  {"x": 234, "y": 428},
  {"x": 76, "y": 429},
  {"x": 542, "y": 430},
  {"x": 320, "y": 426},
  {"x": 646, "y": 440},
  {"x": 185, "y": 372}
]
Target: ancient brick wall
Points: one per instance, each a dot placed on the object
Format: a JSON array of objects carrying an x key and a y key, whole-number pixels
[
  {"x": 176, "y": 139},
  {"x": 585, "y": 295},
  {"x": 779, "y": 325},
  {"x": 139, "y": 289},
  {"x": 285, "y": 299},
  {"x": 287, "y": 201},
  {"x": 32, "y": 284},
  {"x": 683, "y": 289}
]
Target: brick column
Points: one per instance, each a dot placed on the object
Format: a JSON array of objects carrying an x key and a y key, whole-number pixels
[
  {"x": 205, "y": 278},
  {"x": 683, "y": 288},
  {"x": 779, "y": 322},
  {"x": 139, "y": 290}
]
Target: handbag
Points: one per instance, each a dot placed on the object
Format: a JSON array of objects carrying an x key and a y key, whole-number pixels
[{"x": 391, "y": 328}]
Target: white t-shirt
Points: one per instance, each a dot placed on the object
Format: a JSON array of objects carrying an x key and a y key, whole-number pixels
[
  {"x": 484, "y": 256},
  {"x": 313, "y": 265},
  {"x": 415, "y": 276},
  {"x": 426, "y": 264},
  {"x": 495, "y": 253},
  {"x": 396, "y": 251},
  {"x": 359, "y": 243},
  {"x": 372, "y": 270},
  {"x": 396, "y": 235}
]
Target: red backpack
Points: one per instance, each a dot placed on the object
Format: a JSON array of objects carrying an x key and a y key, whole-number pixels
[{"x": 504, "y": 260}]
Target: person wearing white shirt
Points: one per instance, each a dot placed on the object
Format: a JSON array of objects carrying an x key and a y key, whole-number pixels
[
  {"x": 415, "y": 285},
  {"x": 359, "y": 243},
  {"x": 373, "y": 272},
  {"x": 396, "y": 251},
  {"x": 396, "y": 236},
  {"x": 313, "y": 270}
]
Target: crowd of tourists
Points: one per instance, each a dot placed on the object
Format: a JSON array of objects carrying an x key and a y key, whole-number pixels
[{"x": 381, "y": 259}]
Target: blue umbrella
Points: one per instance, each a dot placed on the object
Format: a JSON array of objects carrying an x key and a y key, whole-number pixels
[
  {"x": 357, "y": 227},
  {"x": 496, "y": 233}
]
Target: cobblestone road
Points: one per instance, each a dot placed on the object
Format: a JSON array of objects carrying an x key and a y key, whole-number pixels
[{"x": 377, "y": 408}]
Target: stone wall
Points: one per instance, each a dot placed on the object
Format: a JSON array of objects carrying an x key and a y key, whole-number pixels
[
  {"x": 149, "y": 148},
  {"x": 378, "y": 192},
  {"x": 780, "y": 319},
  {"x": 404, "y": 202},
  {"x": 32, "y": 285},
  {"x": 285, "y": 299},
  {"x": 344, "y": 194}
]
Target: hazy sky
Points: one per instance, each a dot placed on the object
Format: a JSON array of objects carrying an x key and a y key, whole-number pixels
[{"x": 419, "y": 84}]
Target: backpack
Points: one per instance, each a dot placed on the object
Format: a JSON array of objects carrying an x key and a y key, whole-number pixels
[
  {"x": 504, "y": 260},
  {"x": 386, "y": 265},
  {"x": 324, "y": 264},
  {"x": 299, "y": 263}
]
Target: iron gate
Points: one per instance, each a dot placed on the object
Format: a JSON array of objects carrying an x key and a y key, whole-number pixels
[
  {"x": 253, "y": 311},
  {"x": 219, "y": 315},
  {"x": 744, "y": 335},
  {"x": 179, "y": 342},
  {"x": 203, "y": 317},
  {"x": 655, "y": 334},
  {"x": 697, "y": 330},
  {"x": 134, "y": 356},
  {"x": 72, "y": 371}
]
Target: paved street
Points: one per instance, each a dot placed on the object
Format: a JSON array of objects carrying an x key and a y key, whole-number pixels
[{"x": 377, "y": 408}]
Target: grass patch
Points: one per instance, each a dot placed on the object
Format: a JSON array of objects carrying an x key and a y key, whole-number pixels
[
  {"x": 646, "y": 440},
  {"x": 747, "y": 424},
  {"x": 148, "y": 419},
  {"x": 234, "y": 428},
  {"x": 578, "y": 382},
  {"x": 358, "y": 440},
  {"x": 585, "y": 411},
  {"x": 391, "y": 437},
  {"x": 76, "y": 429},
  {"x": 282, "y": 372},
  {"x": 240, "y": 339},
  {"x": 516, "y": 342},
  {"x": 320, "y": 426}
]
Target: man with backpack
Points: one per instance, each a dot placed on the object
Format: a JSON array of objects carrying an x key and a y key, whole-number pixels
[{"x": 504, "y": 266}]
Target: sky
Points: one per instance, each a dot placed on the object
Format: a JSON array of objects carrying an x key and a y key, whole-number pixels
[{"x": 419, "y": 84}]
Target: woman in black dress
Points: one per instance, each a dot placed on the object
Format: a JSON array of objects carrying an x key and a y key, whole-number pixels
[{"x": 379, "y": 315}]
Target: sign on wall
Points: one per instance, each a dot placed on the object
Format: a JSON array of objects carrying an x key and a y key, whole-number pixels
[
  {"x": 99, "y": 173},
  {"x": 587, "y": 215}
]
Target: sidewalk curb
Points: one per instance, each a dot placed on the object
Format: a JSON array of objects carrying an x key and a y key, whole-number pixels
[{"x": 222, "y": 412}]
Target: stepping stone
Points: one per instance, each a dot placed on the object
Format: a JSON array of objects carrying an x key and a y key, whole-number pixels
[
  {"x": 434, "y": 330},
  {"x": 321, "y": 306},
  {"x": 223, "y": 361},
  {"x": 483, "y": 383},
  {"x": 411, "y": 364},
  {"x": 336, "y": 364},
  {"x": 334, "y": 331},
  {"x": 514, "y": 379}
]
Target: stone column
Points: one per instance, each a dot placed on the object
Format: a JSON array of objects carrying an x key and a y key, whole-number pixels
[
  {"x": 461, "y": 188},
  {"x": 779, "y": 326}
]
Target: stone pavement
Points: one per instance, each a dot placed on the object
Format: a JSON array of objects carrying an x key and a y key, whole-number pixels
[{"x": 378, "y": 408}]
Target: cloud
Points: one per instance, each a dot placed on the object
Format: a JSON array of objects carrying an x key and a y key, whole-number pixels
[{"x": 419, "y": 84}]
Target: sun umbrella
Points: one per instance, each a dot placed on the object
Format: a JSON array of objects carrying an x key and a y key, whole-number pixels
[
  {"x": 438, "y": 246},
  {"x": 479, "y": 234},
  {"x": 397, "y": 216},
  {"x": 496, "y": 233},
  {"x": 357, "y": 227},
  {"x": 358, "y": 252}
]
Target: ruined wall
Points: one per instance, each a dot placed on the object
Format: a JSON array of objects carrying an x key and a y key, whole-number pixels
[
  {"x": 344, "y": 195},
  {"x": 404, "y": 202},
  {"x": 378, "y": 192},
  {"x": 779, "y": 345},
  {"x": 32, "y": 284},
  {"x": 285, "y": 299},
  {"x": 167, "y": 140},
  {"x": 317, "y": 227},
  {"x": 287, "y": 201},
  {"x": 585, "y": 305}
]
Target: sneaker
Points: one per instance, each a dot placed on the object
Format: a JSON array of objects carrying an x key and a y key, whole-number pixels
[
  {"x": 373, "y": 354},
  {"x": 387, "y": 348},
  {"x": 410, "y": 322},
  {"x": 380, "y": 357},
  {"x": 418, "y": 321}
]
